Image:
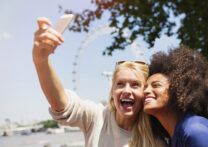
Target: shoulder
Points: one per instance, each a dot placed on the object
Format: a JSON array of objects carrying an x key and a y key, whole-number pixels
[
  {"x": 194, "y": 123},
  {"x": 195, "y": 129},
  {"x": 107, "y": 113}
]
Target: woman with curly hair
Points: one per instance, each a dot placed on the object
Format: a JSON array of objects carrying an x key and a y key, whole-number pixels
[{"x": 176, "y": 94}]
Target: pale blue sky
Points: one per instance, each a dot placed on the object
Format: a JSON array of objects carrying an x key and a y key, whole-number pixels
[{"x": 21, "y": 98}]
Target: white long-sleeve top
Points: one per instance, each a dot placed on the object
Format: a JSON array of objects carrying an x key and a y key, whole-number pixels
[{"x": 96, "y": 122}]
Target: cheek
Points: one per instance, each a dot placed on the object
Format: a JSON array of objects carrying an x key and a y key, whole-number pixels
[
  {"x": 165, "y": 96},
  {"x": 139, "y": 93},
  {"x": 162, "y": 90},
  {"x": 116, "y": 94}
]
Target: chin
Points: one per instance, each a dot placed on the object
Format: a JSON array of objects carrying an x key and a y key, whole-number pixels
[
  {"x": 148, "y": 110},
  {"x": 128, "y": 114}
]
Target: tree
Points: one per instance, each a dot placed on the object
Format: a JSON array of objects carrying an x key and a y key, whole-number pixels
[
  {"x": 149, "y": 19},
  {"x": 50, "y": 124}
]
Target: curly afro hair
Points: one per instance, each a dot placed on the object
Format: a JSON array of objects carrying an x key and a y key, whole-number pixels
[{"x": 187, "y": 72}]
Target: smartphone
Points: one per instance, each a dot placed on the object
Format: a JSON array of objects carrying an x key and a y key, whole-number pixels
[{"x": 63, "y": 23}]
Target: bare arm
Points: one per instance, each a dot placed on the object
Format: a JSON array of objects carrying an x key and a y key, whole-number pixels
[{"x": 45, "y": 42}]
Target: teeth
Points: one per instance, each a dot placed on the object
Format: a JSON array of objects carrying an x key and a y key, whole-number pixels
[
  {"x": 126, "y": 100},
  {"x": 149, "y": 99}
]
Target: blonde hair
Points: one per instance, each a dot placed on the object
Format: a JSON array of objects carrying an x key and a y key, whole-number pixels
[{"x": 142, "y": 135}]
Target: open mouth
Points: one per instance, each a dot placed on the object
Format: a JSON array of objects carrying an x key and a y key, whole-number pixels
[{"x": 127, "y": 103}]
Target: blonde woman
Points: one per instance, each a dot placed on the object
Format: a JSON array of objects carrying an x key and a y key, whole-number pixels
[{"x": 101, "y": 126}]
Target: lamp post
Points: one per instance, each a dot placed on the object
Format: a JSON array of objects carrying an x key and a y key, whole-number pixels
[{"x": 108, "y": 74}]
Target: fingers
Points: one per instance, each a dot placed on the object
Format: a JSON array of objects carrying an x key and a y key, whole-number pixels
[
  {"x": 49, "y": 36},
  {"x": 47, "y": 39},
  {"x": 42, "y": 45},
  {"x": 42, "y": 22},
  {"x": 57, "y": 34}
]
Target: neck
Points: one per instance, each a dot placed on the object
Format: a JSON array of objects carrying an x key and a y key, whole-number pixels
[
  {"x": 168, "y": 119},
  {"x": 125, "y": 123}
]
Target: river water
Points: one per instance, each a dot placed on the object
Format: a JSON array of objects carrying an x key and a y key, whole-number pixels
[{"x": 69, "y": 139}]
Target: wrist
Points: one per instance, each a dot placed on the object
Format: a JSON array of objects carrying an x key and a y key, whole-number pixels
[{"x": 42, "y": 61}]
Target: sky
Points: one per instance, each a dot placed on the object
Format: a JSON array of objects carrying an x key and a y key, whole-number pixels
[{"x": 21, "y": 98}]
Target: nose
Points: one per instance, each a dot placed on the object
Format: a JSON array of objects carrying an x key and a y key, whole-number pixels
[
  {"x": 127, "y": 89},
  {"x": 147, "y": 90}
]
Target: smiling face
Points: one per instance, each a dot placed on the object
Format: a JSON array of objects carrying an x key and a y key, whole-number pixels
[
  {"x": 127, "y": 93},
  {"x": 156, "y": 94}
]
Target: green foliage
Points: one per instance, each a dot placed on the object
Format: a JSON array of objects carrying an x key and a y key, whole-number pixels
[
  {"x": 50, "y": 124},
  {"x": 149, "y": 18}
]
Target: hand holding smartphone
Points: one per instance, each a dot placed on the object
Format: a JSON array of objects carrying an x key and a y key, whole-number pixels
[
  {"x": 61, "y": 25},
  {"x": 45, "y": 40}
]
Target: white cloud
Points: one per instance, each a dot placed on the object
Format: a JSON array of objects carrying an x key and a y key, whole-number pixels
[{"x": 7, "y": 36}]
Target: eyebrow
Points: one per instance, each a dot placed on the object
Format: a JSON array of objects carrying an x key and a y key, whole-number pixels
[
  {"x": 160, "y": 81},
  {"x": 156, "y": 82}
]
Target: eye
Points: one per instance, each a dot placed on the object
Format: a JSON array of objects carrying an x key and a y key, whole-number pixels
[
  {"x": 155, "y": 85},
  {"x": 136, "y": 84},
  {"x": 120, "y": 84}
]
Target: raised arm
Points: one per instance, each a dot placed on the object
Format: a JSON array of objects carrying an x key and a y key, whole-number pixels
[{"x": 45, "y": 42}]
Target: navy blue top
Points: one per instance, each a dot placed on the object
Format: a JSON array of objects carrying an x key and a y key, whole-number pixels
[{"x": 191, "y": 131}]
